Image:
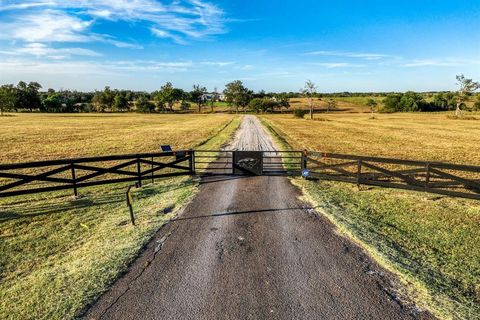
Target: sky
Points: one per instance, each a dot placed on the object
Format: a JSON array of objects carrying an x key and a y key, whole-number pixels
[{"x": 368, "y": 45}]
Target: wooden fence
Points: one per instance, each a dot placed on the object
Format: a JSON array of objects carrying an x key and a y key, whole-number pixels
[
  {"x": 42, "y": 176},
  {"x": 434, "y": 177}
]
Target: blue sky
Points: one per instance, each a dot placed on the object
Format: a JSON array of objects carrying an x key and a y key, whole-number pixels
[{"x": 276, "y": 46}]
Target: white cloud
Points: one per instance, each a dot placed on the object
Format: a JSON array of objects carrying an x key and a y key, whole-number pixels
[
  {"x": 165, "y": 34},
  {"x": 217, "y": 63},
  {"x": 440, "y": 62},
  {"x": 17, "y": 63},
  {"x": 48, "y": 26},
  {"x": 70, "y": 21},
  {"x": 360, "y": 55},
  {"x": 331, "y": 65},
  {"x": 40, "y": 49}
]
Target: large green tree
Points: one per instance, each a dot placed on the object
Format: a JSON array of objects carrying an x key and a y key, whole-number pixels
[
  {"x": 197, "y": 95},
  {"x": 283, "y": 101},
  {"x": 103, "y": 100},
  {"x": 465, "y": 90},
  {"x": 143, "y": 104},
  {"x": 120, "y": 102},
  {"x": 8, "y": 98},
  {"x": 168, "y": 95},
  {"x": 237, "y": 94},
  {"x": 28, "y": 96}
]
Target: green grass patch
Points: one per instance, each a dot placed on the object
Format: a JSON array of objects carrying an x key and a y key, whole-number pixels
[
  {"x": 59, "y": 253},
  {"x": 430, "y": 242}
]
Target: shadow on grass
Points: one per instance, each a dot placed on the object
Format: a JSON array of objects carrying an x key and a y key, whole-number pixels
[{"x": 37, "y": 208}]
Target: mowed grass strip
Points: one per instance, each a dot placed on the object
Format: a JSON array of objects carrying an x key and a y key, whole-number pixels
[
  {"x": 430, "y": 241},
  {"x": 59, "y": 254}
]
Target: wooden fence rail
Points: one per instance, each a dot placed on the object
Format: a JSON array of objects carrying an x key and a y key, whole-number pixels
[
  {"x": 53, "y": 175},
  {"x": 434, "y": 177}
]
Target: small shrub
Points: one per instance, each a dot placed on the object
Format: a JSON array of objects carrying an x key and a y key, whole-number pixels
[{"x": 299, "y": 113}]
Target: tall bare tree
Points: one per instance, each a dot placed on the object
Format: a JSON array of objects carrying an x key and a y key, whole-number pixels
[
  {"x": 467, "y": 87},
  {"x": 309, "y": 91}
]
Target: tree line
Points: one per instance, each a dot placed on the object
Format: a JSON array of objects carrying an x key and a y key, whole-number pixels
[{"x": 29, "y": 97}]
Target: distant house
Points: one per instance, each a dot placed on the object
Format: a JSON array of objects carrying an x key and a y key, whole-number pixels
[{"x": 209, "y": 97}]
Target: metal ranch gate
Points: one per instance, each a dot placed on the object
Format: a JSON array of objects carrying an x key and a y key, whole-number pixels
[
  {"x": 52, "y": 175},
  {"x": 239, "y": 162}
]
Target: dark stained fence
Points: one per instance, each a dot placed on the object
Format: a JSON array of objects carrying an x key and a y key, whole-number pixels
[
  {"x": 434, "y": 177},
  {"x": 53, "y": 175}
]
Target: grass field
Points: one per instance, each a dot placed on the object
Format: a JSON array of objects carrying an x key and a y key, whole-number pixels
[
  {"x": 431, "y": 242},
  {"x": 27, "y": 137},
  {"x": 61, "y": 253}
]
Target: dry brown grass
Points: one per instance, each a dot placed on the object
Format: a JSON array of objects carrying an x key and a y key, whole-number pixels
[
  {"x": 59, "y": 254},
  {"x": 28, "y": 137},
  {"x": 344, "y": 105},
  {"x": 429, "y": 241},
  {"x": 423, "y": 136}
]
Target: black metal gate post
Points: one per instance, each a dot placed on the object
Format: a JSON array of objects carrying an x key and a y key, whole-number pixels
[
  {"x": 191, "y": 161},
  {"x": 303, "y": 161}
]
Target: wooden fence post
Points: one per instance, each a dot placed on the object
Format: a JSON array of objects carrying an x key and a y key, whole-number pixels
[
  {"x": 359, "y": 173},
  {"x": 139, "y": 173},
  {"x": 74, "y": 182},
  {"x": 153, "y": 179},
  {"x": 427, "y": 175}
]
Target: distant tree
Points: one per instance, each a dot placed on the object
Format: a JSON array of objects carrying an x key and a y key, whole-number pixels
[
  {"x": 143, "y": 104},
  {"x": 391, "y": 102},
  {"x": 197, "y": 95},
  {"x": 8, "y": 98},
  {"x": 264, "y": 104},
  {"x": 260, "y": 94},
  {"x": 103, "y": 100},
  {"x": 283, "y": 101},
  {"x": 309, "y": 91},
  {"x": 331, "y": 104},
  {"x": 179, "y": 95},
  {"x": 28, "y": 96},
  {"x": 476, "y": 105},
  {"x": 214, "y": 98},
  {"x": 373, "y": 105},
  {"x": 236, "y": 94},
  {"x": 256, "y": 105},
  {"x": 412, "y": 101},
  {"x": 120, "y": 102},
  {"x": 444, "y": 101},
  {"x": 53, "y": 102},
  {"x": 467, "y": 87},
  {"x": 168, "y": 95}
]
